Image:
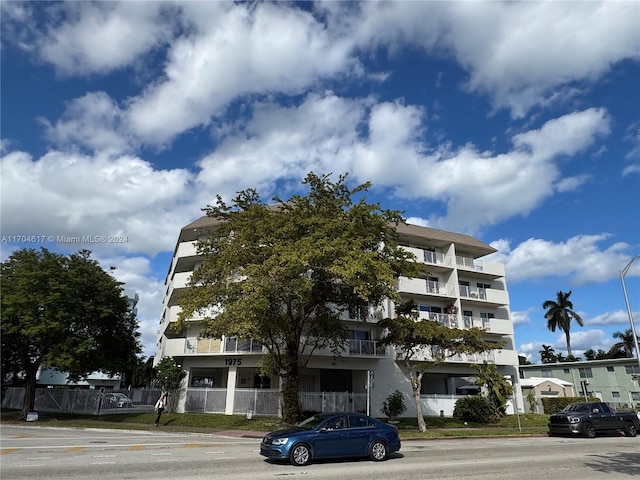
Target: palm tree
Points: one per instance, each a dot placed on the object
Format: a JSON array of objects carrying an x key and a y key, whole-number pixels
[
  {"x": 547, "y": 354},
  {"x": 559, "y": 314},
  {"x": 626, "y": 342},
  {"x": 499, "y": 390}
]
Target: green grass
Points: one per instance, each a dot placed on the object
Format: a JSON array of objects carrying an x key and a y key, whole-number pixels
[{"x": 437, "y": 427}]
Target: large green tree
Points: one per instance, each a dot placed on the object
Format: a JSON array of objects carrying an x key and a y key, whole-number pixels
[
  {"x": 285, "y": 274},
  {"x": 63, "y": 312},
  {"x": 559, "y": 313},
  {"x": 425, "y": 344}
]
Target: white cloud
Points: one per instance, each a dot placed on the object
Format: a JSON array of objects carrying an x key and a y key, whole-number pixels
[
  {"x": 93, "y": 121},
  {"x": 97, "y": 37},
  {"x": 268, "y": 48},
  {"x": 522, "y": 316},
  {"x": 68, "y": 194},
  {"x": 520, "y": 54},
  {"x": 579, "y": 258},
  {"x": 617, "y": 317}
]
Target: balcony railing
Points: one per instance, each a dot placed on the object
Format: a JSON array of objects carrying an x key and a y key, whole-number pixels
[
  {"x": 468, "y": 262},
  {"x": 473, "y": 292},
  {"x": 366, "y": 348},
  {"x": 435, "y": 258},
  {"x": 445, "y": 319},
  {"x": 479, "y": 322}
]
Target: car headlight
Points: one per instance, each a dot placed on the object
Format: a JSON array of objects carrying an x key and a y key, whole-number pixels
[
  {"x": 280, "y": 441},
  {"x": 574, "y": 420}
]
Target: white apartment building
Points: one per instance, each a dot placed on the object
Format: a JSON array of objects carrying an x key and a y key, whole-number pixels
[{"x": 224, "y": 375}]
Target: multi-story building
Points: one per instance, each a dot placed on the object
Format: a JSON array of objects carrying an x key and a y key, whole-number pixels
[
  {"x": 615, "y": 381},
  {"x": 461, "y": 290}
]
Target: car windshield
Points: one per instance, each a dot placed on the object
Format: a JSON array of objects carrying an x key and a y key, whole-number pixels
[
  {"x": 312, "y": 422},
  {"x": 577, "y": 407}
]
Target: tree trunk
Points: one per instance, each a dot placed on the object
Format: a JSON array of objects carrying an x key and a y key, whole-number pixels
[
  {"x": 416, "y": 386},
  {"x": 291, "y": 413},
  {"x": 568, "y": 337},
  {"x": 29, "y": 392}
]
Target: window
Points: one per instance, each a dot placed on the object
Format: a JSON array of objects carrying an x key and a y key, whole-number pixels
[
  {"x": 609, "y": 369},
  {"x": 483, "y": 285},
  {"x": 635, "y": 396},
  {"x": 631, "y": 369},
  {"x": 429, "y": 308},
  {"x": 356, "y": 421},
  {"x": 566, "y": 370},
  {"x": 546, "y": 373},
  {"x": 615, "y": 394},
  {"x": 585, "y": 372}
]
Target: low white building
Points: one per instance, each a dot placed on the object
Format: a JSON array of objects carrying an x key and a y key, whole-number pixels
[{"x": 224, "y": 375}]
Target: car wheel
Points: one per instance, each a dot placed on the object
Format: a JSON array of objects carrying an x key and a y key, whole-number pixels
[
  {"x": 300, "y": 455},
  {"x": 589, "y": 431},
  {"x": 378, "y": 451},
  {"x": 630, "y": 429}
]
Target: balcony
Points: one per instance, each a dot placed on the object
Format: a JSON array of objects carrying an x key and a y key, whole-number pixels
[
  {"x": 421, "y": 286},
  {"x": 365, "y": 348},
  {"x": 444, "y": 319},
  {"x": 233, "y": 345},
  {"x": 492, "y": 269},
  {"x": 488, "y": 295}
]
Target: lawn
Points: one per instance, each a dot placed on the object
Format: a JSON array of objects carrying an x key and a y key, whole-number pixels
[{"x": 436, "y": 426}]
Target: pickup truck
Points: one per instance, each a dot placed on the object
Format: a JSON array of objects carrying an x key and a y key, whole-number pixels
[{"x": 587, "y": 418}]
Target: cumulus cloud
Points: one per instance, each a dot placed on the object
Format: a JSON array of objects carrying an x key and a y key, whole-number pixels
[
  {"x": 217, "y": 53},
  {"x": 617, "y": 317},
  {"x": 66, "y": 194},
  {"x": 268, "y": 48},
  {"x": 93, "y": 121},
  {"x": 98, "y": 37},
  {"x": 522, "y": 316},
  {"x": 579, "y": 258},
  {"x": 325, "y": 132}
]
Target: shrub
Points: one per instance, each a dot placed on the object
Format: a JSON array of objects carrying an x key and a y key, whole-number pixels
[
  {"x": 475, "y": 408},
  {"x": 394, "y": 405},
  {"x": 553, "y": 405}
]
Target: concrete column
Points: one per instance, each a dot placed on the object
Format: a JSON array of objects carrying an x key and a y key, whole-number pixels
[{"x": 231, "y": 389}]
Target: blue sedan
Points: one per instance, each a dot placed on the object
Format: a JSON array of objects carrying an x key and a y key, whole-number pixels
[{"x": 332, "y": 435}]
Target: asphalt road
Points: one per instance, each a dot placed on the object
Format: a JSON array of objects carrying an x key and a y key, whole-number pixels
[{"x": 32, "y": 452}]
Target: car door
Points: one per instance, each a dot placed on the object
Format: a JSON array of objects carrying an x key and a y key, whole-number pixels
[
  {"x": 332, "y": 438},
  {"x": 600, "y": 418},
  {"x": 360, "y": 429}
]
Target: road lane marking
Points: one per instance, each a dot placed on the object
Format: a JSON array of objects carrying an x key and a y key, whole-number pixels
[
  {"x": 137, "y": 447},
  {"x": 75, "y": 449},
  {"x": 8, "y": 450}
]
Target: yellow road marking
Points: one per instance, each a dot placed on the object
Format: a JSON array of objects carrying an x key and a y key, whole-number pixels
[
  {"x": 137, "y": 447},
  {"x": 75, "y": 449},
  {"x": 8, "y": 450}
]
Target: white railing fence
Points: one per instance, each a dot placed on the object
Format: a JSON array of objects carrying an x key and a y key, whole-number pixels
[{"x": 82, "y": 401}]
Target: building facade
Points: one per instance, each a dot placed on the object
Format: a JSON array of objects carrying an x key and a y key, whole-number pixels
[
  {"x": 614, "y": 381},
  {"x": 534, "y": 389},
  {"x": 462, "y": 291}
]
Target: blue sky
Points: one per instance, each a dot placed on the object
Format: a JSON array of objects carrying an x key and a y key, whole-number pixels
[{"x": 517, "y": 123}]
